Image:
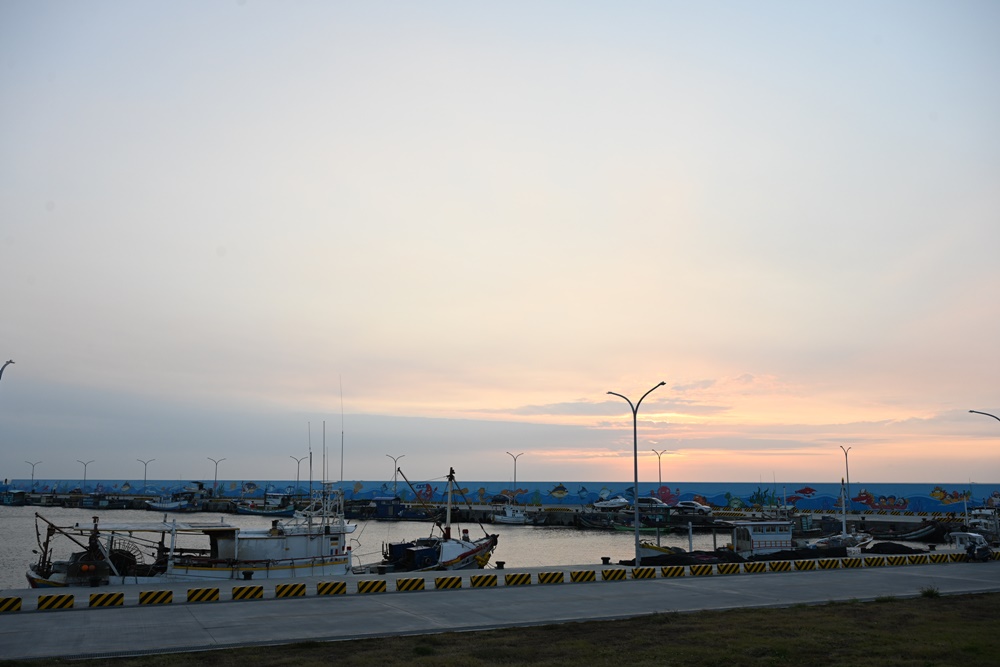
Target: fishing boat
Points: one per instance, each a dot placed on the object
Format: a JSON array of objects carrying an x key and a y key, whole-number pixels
[
  {"x": 928, "y": 531},
  {"x": 106, "y": 553},
  {"x": 510, "y": 514},
  {"x": 275, "y": 504},
  {"x": 613, "y": 504},
  {"x": 438, "y": 551},
  {"x": 758, "y": 538},
  {"x": 191, "y": 499}
]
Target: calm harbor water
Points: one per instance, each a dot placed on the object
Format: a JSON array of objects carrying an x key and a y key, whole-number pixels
[{"x": 519, "y": 546}]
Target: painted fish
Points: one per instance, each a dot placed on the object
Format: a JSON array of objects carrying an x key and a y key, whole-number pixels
[
  {"x": 559, "y": 491},
  {"x": 806, "y": 491}
]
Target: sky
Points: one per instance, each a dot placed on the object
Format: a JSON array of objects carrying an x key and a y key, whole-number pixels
[{"x": 245, "y": 230}]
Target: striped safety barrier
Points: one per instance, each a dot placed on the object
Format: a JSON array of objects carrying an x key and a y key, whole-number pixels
[
  {"x": 296, "y": 590},
  {"x": 10, "y": 604},
  {"x": 56, "y": 601},
  {"x": 729, "y": 568},
  {"x": 107, "y": 599},
  {"x": 851, "y": 563},
  {"x": 550, "y": 578},
  {"x": 808, "y": 564},
  {"x": 447, "y": 582},
  {"x": 939, "y": 558},
  {"x": 580, "y": 576},
  {"x": 331, "y": 588},
  {"x": 672, "y": 571},
  {"x": 644, "y": 573},
  {"x": 895, "y": 560},
  {"x": 371, "y": 586},
  {"x": 203, "y": 595},
  {"x": 754, "y": 568},
  {"x": 701, "y": 570},
  {"x": 483, "y": 580},
  {"x": 248, "y": 592},
  {"x": 411, "y": 584},
  {"x": 156, "y": 597},
  {"x": 874, "y": 561},
  {"x": 779, "y": 566},
  {"x": 828, "y": 563},
  {"x": 917, "y": 559},
  {"x": 517, "y": 579}
]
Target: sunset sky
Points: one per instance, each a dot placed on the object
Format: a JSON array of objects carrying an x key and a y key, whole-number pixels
[{"x": 448, "y": 229}]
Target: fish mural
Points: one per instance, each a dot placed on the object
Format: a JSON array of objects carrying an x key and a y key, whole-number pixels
[
  {"x": 806, "y": 491},
  {"x": 559, "y": 492}
]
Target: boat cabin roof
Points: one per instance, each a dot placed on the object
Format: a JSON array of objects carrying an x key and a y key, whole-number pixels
[{"x": 157, "y": 527}]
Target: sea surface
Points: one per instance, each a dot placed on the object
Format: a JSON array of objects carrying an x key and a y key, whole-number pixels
[{"x": 519, "y": 546}]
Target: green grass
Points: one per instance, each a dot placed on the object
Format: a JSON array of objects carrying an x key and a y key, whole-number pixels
[{"x": 925, "y": 631}]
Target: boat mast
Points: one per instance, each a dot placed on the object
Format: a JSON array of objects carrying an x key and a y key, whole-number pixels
[{"x": 447, "y": 516}]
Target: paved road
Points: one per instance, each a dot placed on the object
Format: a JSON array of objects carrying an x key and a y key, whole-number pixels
[{"x": 117, "y": 631}]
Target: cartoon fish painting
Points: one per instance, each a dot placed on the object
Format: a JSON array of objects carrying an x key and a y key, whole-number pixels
[
  {"x": 583, "y": 493},
  {"x": 126, "y": 487},
  {"x": 604, "y": 494},
  {"x": 249, "y": 487},
  {"x": 559, "y": 491},
  {"x": 806, "y": 491}
]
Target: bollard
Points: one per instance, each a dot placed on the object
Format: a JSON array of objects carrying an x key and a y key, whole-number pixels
[
  {"x": 606, "y": 560},
  {"x": 247, "y": 575},
  {"x": 500, "y": 564}
]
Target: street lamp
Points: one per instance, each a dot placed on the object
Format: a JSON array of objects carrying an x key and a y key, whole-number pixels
[
  {"x": 216, "y": 482},
  {"x": 395, "y": 468},
  {"x": 659, "y": 469},
  {"x": 635, "y": 463},
  {"x": 985, "y": 413},
  {"x": 85, "y": 464},
  {"x": 848, "y": 469},
  {"x": 145, "y": 465},
  {"x": 32, "y": 473},
  {"x": 514, "y": 499},
  {"x": 298, "y": 464}
]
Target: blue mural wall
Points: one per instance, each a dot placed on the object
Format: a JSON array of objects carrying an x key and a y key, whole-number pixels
[{"x": 826, "y": 497}]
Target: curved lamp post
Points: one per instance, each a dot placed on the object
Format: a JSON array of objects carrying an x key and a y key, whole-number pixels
[
  {"x": 847, "y": 468},
  {"x": 635, "y": 463},
  {"x": 985, "y": 413},
  {"x": 32, "y": 473},
  {"x": 298, "y": 463},
  {"x": 85, "y": 464},
  {"x": 145, "y": 465},
  {"x": 514, "y": 499},
  {"x": 216, "y": 482},
  {"x": 395, "y": 469}
]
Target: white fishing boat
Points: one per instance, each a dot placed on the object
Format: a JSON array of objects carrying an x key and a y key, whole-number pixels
[
  {"x": 612, "y": 504},
  {"x": 438, "y": 551},
  {"x": 510, "y": 514},
  {"x": 758, "y": 538},
  {"x": 314, "y": 544}
]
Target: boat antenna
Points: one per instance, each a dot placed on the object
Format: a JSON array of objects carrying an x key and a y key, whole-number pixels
[
  {"x": 309, "y": 427},
  {"x": 341, "y": 428}
]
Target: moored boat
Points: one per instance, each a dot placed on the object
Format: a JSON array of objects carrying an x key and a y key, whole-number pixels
[
  {"x": 439, "y": 551},
  {"x": 191, "y": 499},
  {"x": 509, "y": 513},
  {"x": 275, "y": 504},
  {"x": 147, "y": 552}
]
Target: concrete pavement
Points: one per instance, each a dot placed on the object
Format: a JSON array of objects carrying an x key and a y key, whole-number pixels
[{"x": 183, "y": 626}]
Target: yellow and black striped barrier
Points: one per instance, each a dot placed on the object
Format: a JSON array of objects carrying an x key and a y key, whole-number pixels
[
  {"x": 672, "y": 571},
  {"x": 807, "y": 564},
  {"x": 582, "y": 576},
  {"x": 296, "y": 590},
  {"x": 156, "y": 597},
  {"x": 874, "y": 561},
  {"x": 729, "y": 568},
  {"x": 483, "y": 580},
  {"x": 938, "y": 558},
  {"x": 371, "y": 586},
  {"x": 10, "y": 604},
  {"x": 107, "y": 599},
  {"x": 754, "y": 568},
  {"x": 55, "y": 601},
  {"x": 701, "y": 570},
  {"x": 550, "y": 577},
  {"x": 895, "y": 560},
  {"x": 410, "y": 584},
  {"x": 851, "y": 563},
  {"x": 447, "y": 582},
  {"x": 517, "y": 579},
  {"x": 828, "y": 563},
  {"x": 780, "y": 566},
  {"x": 917, "y": 559},
  {"x": 203, "y": 595},
  {"x": 644, "y": 573},
  {"x": 616, "y": 574},
  {"x": 248, "y": 592},
  {"x": 958, "y": 558},
  {"x": 331, "y": 588}
]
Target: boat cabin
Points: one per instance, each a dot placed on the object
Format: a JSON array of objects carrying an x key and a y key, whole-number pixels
[{"x": 753, "y": 538}]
